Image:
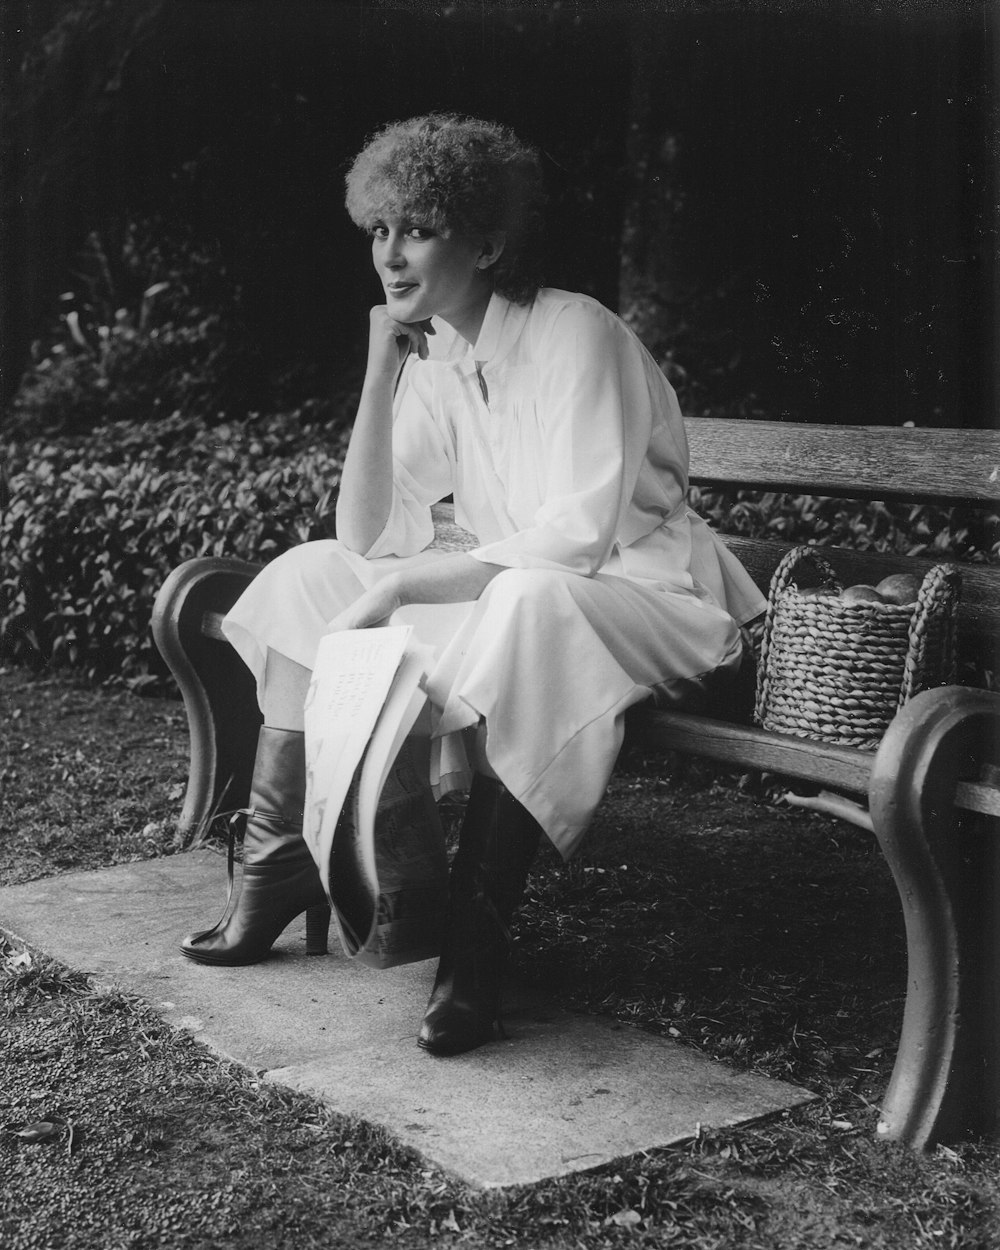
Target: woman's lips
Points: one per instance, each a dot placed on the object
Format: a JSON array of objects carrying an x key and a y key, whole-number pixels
[{"x": 402, "y": 288}]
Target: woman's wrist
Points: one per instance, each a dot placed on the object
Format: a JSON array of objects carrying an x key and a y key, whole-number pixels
[
  {"x": 376, "y": 395},
  {"x": 365, "y": 499},
  {"x": 456, "y": 578},
  {"x": 393, "y": 588}
]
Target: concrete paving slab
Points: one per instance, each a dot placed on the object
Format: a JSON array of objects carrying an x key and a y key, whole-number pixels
[{"x": 565, "y": 1093}]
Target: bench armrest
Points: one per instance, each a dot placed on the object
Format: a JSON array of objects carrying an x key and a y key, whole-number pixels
[{"x": 217, "y": 688}]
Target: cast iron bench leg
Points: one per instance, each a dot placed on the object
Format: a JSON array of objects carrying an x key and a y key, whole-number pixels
[
  {"x": 218, "y": 691},
  {"x": 946, "y": 865}
]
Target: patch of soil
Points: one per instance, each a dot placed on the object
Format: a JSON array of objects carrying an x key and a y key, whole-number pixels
[
  {"x": 765, "y": 935},
  {"x": 87, "y": 778}
]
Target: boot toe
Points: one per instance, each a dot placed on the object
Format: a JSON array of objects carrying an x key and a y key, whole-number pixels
[
  {"x": 455, "y": 1031},
  {"x": 201, "y": 948}
]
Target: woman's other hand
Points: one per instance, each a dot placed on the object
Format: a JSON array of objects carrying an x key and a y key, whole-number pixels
[
  {"x": 457, "y": 578},
  {"x": 372, "y": 608}
]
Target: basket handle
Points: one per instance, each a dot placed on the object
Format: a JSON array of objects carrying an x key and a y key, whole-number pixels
[
  {"x": 938, "y": 594},
  {"x": 782, "y": 577}
]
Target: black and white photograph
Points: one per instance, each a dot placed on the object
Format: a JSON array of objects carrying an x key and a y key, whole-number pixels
[{"x": 499, "y": 624}]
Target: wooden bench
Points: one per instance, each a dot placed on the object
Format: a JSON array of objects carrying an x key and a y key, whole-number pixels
[{"x": 932, "y": 787}]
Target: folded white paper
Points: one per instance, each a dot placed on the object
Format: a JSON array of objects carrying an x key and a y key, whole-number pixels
[{"x": 370, "y": 820}]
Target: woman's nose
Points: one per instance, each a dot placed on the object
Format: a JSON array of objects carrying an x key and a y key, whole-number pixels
[{"x": 392, "y": 254}]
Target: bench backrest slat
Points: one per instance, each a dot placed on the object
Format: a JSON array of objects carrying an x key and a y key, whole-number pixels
[{"x": 848, "y": 462}]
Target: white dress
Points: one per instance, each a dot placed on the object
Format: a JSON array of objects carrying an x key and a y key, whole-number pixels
[{"x": 564, "y": 448}]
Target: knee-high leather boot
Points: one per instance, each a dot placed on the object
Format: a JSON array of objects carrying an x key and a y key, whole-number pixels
[
  {"x": 496, "y": 845},
  {"x": 280, "y": 879}
]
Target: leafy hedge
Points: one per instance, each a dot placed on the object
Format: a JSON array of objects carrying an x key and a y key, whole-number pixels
[
  {"x": 102, "y": 493},
  {"x": 91, "y": 525},
  {"x": 965, "y": 534}
]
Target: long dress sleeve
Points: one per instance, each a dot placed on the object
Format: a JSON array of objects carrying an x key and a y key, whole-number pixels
[
  {"x": 595, "y": 422},
  {"x": 423, "y": 465}
]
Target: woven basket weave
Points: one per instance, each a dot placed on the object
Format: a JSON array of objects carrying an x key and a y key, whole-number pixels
[{"x": 840, "y": 671}]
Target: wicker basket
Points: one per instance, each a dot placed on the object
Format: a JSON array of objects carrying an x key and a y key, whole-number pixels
[{"x": 839, "y": 671}]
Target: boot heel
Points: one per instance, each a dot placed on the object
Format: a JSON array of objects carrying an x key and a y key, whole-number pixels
[{"x": 317, "y": 929}]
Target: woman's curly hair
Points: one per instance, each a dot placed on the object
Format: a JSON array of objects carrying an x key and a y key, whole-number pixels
[{"x": 457, "y": 175}]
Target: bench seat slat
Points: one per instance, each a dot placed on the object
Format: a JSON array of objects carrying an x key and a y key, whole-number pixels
[
  {"x": 974, "y": 796},
  {"x": 840, "y": 768},
  {"x": 730, "y": 744},
  {"x": 211, "y": 625},
  {"x": 856, "y": 462}
]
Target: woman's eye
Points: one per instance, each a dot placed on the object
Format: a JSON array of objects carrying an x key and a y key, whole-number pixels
[
  {"x": 420, "y": 232},
  {"x": 380, "y": 232}
]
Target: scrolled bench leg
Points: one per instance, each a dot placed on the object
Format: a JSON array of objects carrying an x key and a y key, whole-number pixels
[
  {"x": 217, "y": 688},
  {"x": 946, "y": 865}
]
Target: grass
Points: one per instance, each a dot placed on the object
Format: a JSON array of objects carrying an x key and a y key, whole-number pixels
[{"x": 765, "y": 937}]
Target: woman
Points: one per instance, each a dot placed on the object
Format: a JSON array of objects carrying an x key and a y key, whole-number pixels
[{"x": 592, "y": 586}]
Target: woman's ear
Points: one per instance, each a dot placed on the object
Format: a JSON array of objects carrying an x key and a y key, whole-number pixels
[{"x": 493, "y": 245}]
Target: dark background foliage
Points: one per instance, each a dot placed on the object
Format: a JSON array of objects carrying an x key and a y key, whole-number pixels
[
  {"x": 793, "y": 201},
  {"x": 236, "y": 121}
]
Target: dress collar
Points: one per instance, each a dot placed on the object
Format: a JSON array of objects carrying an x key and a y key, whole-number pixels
[{"x": 501, "y": 328}]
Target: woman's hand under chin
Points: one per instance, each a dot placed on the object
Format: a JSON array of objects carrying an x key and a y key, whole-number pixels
[{"x": 391, "y": 341}]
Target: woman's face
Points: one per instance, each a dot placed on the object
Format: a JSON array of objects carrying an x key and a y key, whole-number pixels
[{"x": 429, "y": 274}]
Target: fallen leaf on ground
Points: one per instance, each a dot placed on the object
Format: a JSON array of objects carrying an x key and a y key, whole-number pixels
[
  {"x": 40, "y": 1130},
  {"x": 628, "y": 1218}
]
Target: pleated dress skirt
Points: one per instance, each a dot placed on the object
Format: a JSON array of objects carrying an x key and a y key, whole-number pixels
[{"x": 548, "y": 660}]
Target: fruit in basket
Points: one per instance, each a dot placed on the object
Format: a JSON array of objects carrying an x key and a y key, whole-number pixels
[
  {"x": 861, "y": 594},
  {"x": 901, "y": 588},
  {"x": 817, "y": 592}
]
